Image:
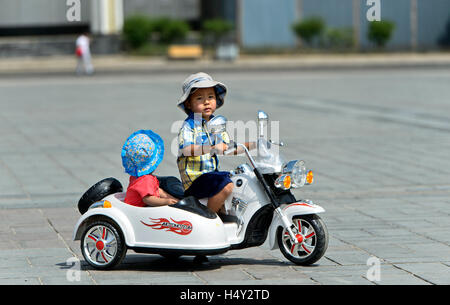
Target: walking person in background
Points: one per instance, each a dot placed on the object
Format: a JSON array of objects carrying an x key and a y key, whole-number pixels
[{"x": 83, "y": 52}]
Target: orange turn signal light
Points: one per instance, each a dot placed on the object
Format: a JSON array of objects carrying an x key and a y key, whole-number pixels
[
  {"x": 310, "y": 177},
  {"x": 287, "y": 182},
  {"x": 284, "y": 182},
  {"x": 107, "y": 204}
]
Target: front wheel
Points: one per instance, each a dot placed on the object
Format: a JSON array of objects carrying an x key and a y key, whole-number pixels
[{"x": 312, "y": 235}]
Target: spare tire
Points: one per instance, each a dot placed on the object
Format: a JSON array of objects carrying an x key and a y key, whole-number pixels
[{"x": 99, "y": 191}]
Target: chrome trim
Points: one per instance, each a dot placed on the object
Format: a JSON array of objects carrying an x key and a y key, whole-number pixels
[
  {"x": 281, "y": 143},
  {"x": 239, "y": 205},
  {"x": 243, "y": 169},
  {"x": 262, "y": 116},
  {"x": 98, "y": 204},
  {"x": 217, "y": 124},
  {"x": 289, "y": 167}
]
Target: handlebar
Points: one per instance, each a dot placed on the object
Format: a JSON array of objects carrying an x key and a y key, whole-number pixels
[{"x": 235, "y": 145}]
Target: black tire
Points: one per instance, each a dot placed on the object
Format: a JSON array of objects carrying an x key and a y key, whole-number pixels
[
  {"x": 319, "y": 241},
  {"x": 97, "y": 192},
  {"x": 112, "y": 253}
]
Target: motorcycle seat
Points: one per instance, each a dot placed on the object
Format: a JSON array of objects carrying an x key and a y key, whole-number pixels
[{"x": 191, "y": 204}]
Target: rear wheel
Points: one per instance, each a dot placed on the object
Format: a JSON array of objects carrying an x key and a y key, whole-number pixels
[
  {"x": 103, "y": 245},
  {"x": 312, "y": 237}
]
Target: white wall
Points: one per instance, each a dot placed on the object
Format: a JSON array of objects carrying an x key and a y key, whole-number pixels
[{"x": 38, "y": 12}]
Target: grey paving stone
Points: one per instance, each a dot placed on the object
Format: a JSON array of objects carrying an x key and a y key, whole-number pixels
[
  {"x": 13, "y": 263},
  {"x": 345, "y": 280},
  {"x": 381, "y": 198},
  {"x": 435, "y": 273},
  {"x": 20, "y": 281}
]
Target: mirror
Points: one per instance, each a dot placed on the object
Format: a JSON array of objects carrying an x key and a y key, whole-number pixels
[
  {"x": 263, "y": 118},
  {"x": 217, "y": 124}
]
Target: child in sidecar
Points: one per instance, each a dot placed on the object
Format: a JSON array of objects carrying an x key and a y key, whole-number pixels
[{"x": 141, "y": 154}]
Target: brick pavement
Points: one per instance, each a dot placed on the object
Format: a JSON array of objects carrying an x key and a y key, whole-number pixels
[{"x": 377, "y": 140}]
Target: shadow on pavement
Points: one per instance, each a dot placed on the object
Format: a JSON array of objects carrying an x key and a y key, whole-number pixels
[{"x": 158, "y": 263}]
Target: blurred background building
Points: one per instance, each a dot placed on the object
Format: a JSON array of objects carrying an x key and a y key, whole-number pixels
[
  {"x": 418, "y": 23},
  {"x": 41, "y": 27}
]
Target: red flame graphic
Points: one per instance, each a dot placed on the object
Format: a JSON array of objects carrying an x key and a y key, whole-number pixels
[{"x": 182, "y": 227}]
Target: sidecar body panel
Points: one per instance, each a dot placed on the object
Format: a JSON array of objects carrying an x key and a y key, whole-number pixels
[{"x": 159, "y": 228}]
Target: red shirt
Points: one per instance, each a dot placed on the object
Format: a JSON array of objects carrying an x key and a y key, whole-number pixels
[{"x": 138, "y": 188}]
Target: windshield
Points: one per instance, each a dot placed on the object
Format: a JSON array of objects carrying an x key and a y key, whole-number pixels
[{"x": 268, "y": 158}]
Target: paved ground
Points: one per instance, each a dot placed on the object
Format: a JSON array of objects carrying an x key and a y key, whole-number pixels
[{"x": 377, "y": 139}]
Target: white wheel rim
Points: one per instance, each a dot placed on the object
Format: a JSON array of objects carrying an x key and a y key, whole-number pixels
[
  {"x": 307, "y": 245},
  {"x": 100, "y": 245}
]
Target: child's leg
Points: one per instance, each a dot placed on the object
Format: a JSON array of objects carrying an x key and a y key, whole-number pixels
[{"x": 216, "y": 202}]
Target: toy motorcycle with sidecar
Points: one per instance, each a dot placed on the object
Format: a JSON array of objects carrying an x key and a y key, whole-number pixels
[{"x": 261, "y": 206}]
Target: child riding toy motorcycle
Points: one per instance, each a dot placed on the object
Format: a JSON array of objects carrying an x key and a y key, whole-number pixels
[{"x": 261, "y": 206}]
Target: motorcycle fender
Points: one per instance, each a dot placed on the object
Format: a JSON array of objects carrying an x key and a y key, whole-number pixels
[
  {"x": 115, "y": 215},
  {"x": 290, "y": 210}
]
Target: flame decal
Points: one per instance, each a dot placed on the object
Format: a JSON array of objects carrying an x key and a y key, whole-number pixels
[{"x": 182, "y": 227}]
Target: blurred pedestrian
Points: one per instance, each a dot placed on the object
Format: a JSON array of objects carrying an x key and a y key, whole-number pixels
[{"x": 83, "y": 52}]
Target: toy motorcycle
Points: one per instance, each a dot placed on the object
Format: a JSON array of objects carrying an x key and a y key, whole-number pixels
[{"x": 261, "y": 206}]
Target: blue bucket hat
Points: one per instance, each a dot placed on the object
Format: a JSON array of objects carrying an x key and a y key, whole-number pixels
[{"x": 142, "y": 152}]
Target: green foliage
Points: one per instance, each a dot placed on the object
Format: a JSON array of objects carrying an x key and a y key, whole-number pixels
[
  {"x": 217, "y": 27},
  {"x": 380, "y": 32},
  {"x": 339, "y": 38},
  {"x": 159, "y": 23},
  {"x": 173, "y": 30},
  {"x": 309, "y": 28},
  {"x": 136, "y": 30},
  {"x": 139, "y": 29}
]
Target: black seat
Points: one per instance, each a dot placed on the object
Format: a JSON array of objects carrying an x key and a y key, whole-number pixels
[
  {"x": 171, "y": 185},
  {"x": 228, "y": 218},
  {"x": 174, "y": 187},
  {"x": 191, "y": 204}
]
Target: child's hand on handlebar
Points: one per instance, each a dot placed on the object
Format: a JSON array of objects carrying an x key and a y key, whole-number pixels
[{"x": 219, "y": 148}]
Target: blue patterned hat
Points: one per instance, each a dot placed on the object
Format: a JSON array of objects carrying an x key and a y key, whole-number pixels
[{"x": 142, "y": 152}]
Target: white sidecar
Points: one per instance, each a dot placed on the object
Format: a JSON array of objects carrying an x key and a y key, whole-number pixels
[{"x": 110, "y": 226}]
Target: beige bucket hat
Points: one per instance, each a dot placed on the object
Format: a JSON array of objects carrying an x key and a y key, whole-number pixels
[{"x": 201, "y": 80}]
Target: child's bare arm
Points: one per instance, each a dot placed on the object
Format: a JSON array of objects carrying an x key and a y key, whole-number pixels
[
  {"x": 240, "y": 150},
  {"x": 164, "y": 194},
  {"x": 198, "y": 150},
  {"x": 158, "y": 201}
]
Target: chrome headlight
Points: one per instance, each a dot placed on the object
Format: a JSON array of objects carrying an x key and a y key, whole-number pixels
[{"x": 297, "y": 171}]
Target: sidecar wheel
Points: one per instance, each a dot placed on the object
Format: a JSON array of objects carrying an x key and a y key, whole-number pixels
[
  {"x": 103, "y": 245},
  {"x": 314, "y": 240}
]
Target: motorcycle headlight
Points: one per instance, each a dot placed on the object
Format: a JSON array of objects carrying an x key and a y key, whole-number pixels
[
  {"x": 299, "y": 174},
  {"x": 297, "y": 170}
]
